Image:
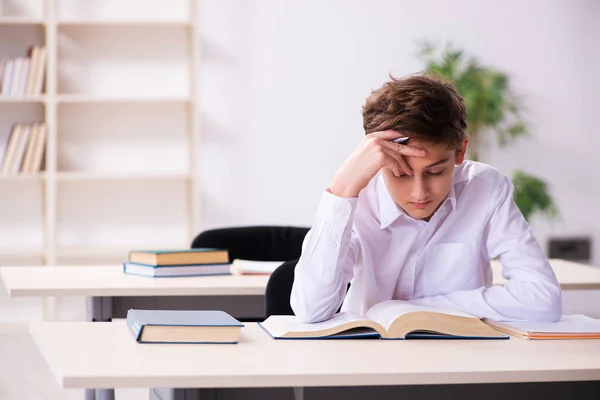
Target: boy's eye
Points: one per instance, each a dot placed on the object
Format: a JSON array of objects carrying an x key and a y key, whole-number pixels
[{"x": 435, "y": 173}]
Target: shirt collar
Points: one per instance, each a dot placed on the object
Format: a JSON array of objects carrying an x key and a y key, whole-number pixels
[{"x": 389, "y": 211}]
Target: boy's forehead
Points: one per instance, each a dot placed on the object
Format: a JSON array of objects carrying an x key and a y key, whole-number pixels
[
  {"x": 429, "y": 147},
  {"x": 434, "y": 152}
]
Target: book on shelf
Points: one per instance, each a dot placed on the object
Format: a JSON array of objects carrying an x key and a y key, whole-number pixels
[
  {"x": 179, "y": 256},
  {"x": 251, "y": 267},
  {"x": 167, "y": 271},
  {"x": 393, "y": 319},
  {"x": 183, "y": 326},
  {"x": 24, "y": 76},
  {"x": 24, "y": 150},
  {"x": 568, "y": 327}
]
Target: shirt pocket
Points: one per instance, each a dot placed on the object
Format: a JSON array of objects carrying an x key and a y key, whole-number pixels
[{"x": 448, "y": 267}]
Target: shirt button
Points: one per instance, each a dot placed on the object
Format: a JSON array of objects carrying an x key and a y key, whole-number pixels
[{"x": 334, "y": 245}]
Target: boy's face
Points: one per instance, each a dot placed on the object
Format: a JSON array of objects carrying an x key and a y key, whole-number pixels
[{"x": 421, "y": 193}]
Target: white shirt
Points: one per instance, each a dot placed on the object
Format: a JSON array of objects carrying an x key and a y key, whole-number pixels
[{"x": 386, "y": 254}]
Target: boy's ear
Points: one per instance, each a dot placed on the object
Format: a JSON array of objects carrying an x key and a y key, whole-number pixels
[{"x": 462, "y": 151}]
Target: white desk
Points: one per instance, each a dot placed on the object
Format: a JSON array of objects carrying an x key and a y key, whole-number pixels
[
  {"x": 105, "y": 355},
  {"x": 97, "y": 281},
  {"x": 112, "y": 292}
]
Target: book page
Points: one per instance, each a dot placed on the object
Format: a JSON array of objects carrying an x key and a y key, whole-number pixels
[
  {"x": 567, "y": 324},
  {"x": 387, "y": 311},
  {"x": 254, "y": 267},
  {"x": 279, "y": 325}
]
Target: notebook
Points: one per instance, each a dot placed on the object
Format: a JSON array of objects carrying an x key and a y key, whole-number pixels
[
  {"x": 568, "y": 327},
  {"x": 168, "y": 271},
  {"x": 179, "y": 257},
  {"x": 393, "y": 319},
  {"x": 176, "y": 326}
]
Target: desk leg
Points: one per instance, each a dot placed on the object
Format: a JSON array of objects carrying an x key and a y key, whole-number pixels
[
  {"x": 298, "y": 393},
  {"x": 99, "y": 309},
  {"x": 182, "y": 394}
]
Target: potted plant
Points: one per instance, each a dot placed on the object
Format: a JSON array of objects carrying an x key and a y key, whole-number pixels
[{"x": 492, "y": 109}]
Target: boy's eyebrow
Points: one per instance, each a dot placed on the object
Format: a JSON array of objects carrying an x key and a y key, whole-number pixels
[{"x": 443, "y": 160}]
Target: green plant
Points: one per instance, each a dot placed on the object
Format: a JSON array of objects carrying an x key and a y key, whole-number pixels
[{"x": 492, "y": 109}]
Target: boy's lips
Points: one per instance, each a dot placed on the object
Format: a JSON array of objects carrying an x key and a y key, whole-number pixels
[{"x": 419, "y": 205}]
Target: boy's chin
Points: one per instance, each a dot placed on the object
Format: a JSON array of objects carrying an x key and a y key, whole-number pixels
[{"x": 422, "y": 214}]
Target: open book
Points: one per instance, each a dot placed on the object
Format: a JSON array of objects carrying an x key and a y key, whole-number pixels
[{"x": 392, "y": 319}]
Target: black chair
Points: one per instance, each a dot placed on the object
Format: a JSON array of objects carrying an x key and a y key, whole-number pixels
[
  {"x": 279, "y": 290},
  {"x": 257, "y": 243},
  {"x": 262, "y": 243}
]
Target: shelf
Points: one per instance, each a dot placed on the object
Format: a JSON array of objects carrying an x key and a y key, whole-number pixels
[
  {"x": 19, "y": 252},
  {"x": 22, "y": 177},
  {"x": 30, "y": 99},
  {"x": 124, "y": 23},
  {"x": 112, "y": 176},
  {"x": 76, "y": 98},
  {"x": 20, "y": 21}
]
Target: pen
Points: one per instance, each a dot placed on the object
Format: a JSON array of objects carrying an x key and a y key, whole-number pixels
[{"x": 400, "y": 139}]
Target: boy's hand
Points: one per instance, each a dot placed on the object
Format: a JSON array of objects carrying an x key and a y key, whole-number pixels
[{"x": 374, "y": 152}]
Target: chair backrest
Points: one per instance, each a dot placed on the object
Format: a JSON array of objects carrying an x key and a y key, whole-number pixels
[
  {"x": 258, "y": 243},
  {"x": 279, "y": 290}
]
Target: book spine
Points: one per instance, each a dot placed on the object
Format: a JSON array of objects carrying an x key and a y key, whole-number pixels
[{"x": 134, "y": 326}]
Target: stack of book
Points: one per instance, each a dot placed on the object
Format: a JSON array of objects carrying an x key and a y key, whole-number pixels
[{"x": 171, "y": 263}]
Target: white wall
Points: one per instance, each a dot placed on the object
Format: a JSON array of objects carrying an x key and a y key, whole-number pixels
[{"x": 282, "y": 84}]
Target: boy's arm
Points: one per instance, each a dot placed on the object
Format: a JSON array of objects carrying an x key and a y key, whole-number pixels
[
  {"x": 326, "y": 264},
  {"x": 531, "y": 291}
]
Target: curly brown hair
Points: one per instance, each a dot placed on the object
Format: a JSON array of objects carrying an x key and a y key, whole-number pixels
[{"x": 423, "y": 106}]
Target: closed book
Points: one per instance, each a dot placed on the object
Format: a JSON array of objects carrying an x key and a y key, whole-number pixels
[
  {"x": 568, "y": 327},
  {"x": 157, "y": 271},
  {"x": 179, "y": 257},
  {"x": 177, "y": 326},
  {"x": 393, "y": 319}
]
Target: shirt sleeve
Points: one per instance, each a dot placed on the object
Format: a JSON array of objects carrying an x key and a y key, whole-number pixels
[
  {"x": 531, "y": 291},
  {"x": 326, "y": 264}
]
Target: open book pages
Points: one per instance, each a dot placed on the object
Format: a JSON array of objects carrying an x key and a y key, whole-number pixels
[
  {"x": 250, "y": 267},
  {"x": 342, "y": 325},
  {"x": 568, "y": 327},
  {"x": 394, "y": 319},
  {"x": 387, "y": 312}
]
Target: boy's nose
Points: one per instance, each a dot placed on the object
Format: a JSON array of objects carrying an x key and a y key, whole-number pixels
[{"x": 419, "y": 190}]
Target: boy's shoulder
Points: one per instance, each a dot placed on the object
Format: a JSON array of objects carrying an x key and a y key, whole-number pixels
[{"x": 473, "y": 172}]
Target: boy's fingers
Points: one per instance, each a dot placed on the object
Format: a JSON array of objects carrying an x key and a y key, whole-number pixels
[
  {"x": 406, "y": 150},
  {"x": 403, "y": 149},
  {"x": 387, "y": 135},
  {"x": 398, "y": 161}
]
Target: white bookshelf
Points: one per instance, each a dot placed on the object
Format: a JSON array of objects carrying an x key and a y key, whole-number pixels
[{"x": 120, "y": 106}]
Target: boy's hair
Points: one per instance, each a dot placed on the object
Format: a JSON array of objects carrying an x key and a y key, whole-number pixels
[{"x": 423, "y": 106}]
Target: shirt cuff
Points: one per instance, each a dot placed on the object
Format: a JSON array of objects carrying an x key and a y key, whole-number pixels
[{"x": 335, "y": 208}]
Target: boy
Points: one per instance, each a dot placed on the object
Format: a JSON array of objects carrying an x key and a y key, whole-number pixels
[{"x": 415, "y": 221}]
